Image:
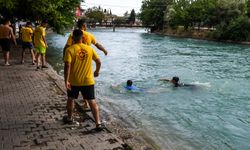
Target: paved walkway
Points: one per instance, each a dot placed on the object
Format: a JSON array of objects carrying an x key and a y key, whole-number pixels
[{"x": 32, "y": 106}]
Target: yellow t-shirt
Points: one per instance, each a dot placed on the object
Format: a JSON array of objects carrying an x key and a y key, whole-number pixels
[
  {"x": 87, "y": 39},
  {"x": 80, "y": 56},
  {"x": 26, "y": 34},
  {"x": 38, "y": 36}
]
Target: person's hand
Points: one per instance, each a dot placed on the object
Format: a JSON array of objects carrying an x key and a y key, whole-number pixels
[
  {"x": 67, "y": 85},
  {"x": 105, "y": 52},
  {"x": 96, "y": 74}
]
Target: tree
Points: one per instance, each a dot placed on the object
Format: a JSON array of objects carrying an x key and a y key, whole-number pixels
[
  {"x": 59, "y": 13},
  {"x": 152, "y": 12},
  {"x": 132, "y": 16},
  {"x": 119, "y": 20},
  {"x": 96, "y": 14},
  {"x": 248, "y": 8}
]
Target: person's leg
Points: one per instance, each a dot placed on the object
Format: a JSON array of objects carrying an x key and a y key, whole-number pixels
[
  {"x": 70, "y": 108},
  {"x": 7, "y": 49},
  {"x": 95, "y": 111},
  {"x": 38, "y": 60},
  {"x": 43, "y": 60},
  {"x": 88, "y": 92},
  {"x": 85, "y": 104},
  {"x": 32, "y": 56},
  {"x": 6, "y": 58},
  {"x": 72, "y": 94},
  {"x": 31, "y": 48},
  {"x": 43, "y": 50},
  {"x": 23, "y": 55}
]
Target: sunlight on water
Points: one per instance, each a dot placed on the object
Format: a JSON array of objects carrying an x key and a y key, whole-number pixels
[{"x": 212, "y": 115}]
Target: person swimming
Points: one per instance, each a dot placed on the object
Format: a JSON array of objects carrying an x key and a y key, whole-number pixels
[
  {"x": 175, "y": 82},
  {"x": 131, "y": 87}
]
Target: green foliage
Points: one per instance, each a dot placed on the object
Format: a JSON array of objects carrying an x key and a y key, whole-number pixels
[
  {"x": 59, "y": 13},
  {"x": 95, "y": 14},
  {"x": 237, "y": 30},
  {"x": 248, "y": 8},
  {"x": 132, "y": 16},
  {"x": 120, "y": 20},
  {"x": 152, "y": 12},
  {"x": 227, "y": 16}
]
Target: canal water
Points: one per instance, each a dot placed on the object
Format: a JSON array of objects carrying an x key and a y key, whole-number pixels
[{"x": 214, "y": 114}]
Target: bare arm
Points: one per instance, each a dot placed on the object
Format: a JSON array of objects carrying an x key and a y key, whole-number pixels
[
  {"x": 98, "y": 67},
  {"x": 64, "y": 50},
  {"x": 45, "y": 41},
  {"x": 67, "y": 66},
  {"x": 100, "y": 47},
  {"x": 13, "y": 36},
  {"x": 164, "y": 79}
]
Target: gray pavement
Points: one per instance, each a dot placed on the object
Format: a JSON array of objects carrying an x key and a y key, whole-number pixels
[{"x": 32, "y": 104}]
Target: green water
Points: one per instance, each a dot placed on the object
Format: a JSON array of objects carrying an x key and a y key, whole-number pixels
[{"x": 213, "y": 115}]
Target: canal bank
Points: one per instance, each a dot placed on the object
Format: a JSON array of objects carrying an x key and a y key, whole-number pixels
[
  {"x": 199, "y": 34},
  {"x": 32, "y": 106}
]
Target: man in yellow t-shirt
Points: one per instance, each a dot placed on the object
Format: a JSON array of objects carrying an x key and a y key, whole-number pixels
[
  {"x": 40, "y": 44},
  {"x": 78, "y": 76},
  {"x": 87, "y": 39},
  {"x": 27, "y": 34}
]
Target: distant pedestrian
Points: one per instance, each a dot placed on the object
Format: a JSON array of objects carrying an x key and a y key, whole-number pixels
[
  {"x": 40, "y": 44},
  {"x": 6, "y": 35},
  {"x": 26, "y": 35},
  {"x": 78, "y": 76},
  {"x": 88, "y": 39}
]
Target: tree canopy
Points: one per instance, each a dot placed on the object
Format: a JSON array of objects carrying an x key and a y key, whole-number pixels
[
  {"x": 59, "y": 13},
  {"x": 132, "y": 16},
  {"x": 96, "y": 14},
  {"x": 230, "y": 18},
  {"x": 152, "y": 12}
]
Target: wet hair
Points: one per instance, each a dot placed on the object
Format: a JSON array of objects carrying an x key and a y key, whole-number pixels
[
  {"x": 80, "y": 23},
  {"x": 77, "y": 35},
  {"x": 129, "y": 83},
  {"x": 176, "y": 79}
]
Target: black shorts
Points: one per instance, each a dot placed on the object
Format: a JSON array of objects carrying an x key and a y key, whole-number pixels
[
  {"x": 28, "y": 45},
  {"x": 5, "y": 44},
  {"x": 88, "y": 92}
]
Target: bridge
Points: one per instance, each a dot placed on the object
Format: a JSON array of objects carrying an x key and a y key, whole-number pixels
[{"x": 120, "y": 25}]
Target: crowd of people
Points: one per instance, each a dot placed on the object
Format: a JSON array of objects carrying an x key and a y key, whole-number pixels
[
  {"x": 77, "y": 55},
  {"x": 34, "y": 40}
]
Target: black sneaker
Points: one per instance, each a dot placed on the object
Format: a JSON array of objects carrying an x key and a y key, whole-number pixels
[
  {"x": 45, "y": 67},
  {"x": 67, "y": 120},
  {"x": 37, "y": 68},
  {"x": 100, "y": 127}
]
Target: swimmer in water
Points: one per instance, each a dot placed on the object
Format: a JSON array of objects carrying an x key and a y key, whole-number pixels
[
  {"x": 131, "y": 87},
  {"x": 175, "y": 82}
]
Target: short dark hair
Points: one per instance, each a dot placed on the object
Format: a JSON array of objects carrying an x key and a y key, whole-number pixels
[
  {"x": 80, "y": 23},
  {"x": 176, "y": 79},
  {"x": 129, "y": 82},
  {"x": 77, "y": 35}
]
